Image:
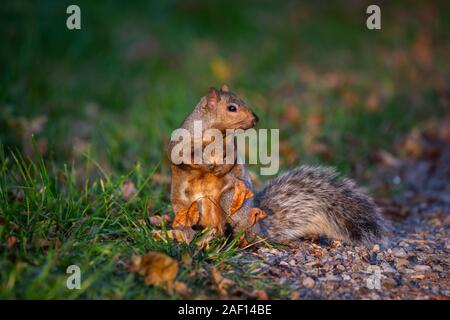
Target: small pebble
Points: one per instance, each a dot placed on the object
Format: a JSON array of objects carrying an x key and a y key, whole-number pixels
[
  {"x": 340, "y": 267},
  {"x": 399, "y": 252},
  {"x": 401, "y": 262},
  {"x": 422, "y": 268},
  {"x": 308, "y": 282}
]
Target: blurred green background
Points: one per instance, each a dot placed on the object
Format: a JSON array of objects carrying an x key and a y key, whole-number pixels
[
  {"x": 102, "y": 101},
  {"x": 132, "y": 73}
]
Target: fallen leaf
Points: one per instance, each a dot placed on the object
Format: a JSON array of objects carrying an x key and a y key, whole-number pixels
[
  {"x": 187, "y": 217},
  {"x": 336, "y": 244},
  {"x": 315, "y": 120},
  {"x": 292, "y": 116},
  {"x": 289, "y": 153},
  {"x": 182, "y": 289},
  {"x": 255, "y": 215},
  {"x": 241, "y": 193},
  {"x": 422, "y": 49},
  {"x": 437, "y": 297},
  {"x": 386, "y": 158},
  {"x": 158, "y": 220},
  {"x": 243, "y": 242},
  {"x": 157, "y": 268},
  {"x": 260, "y": 294},
  {"x": 295, "y": 295},
  {"x": 373, "y": 102},
  {"x": 128, "y": 190},
  {"x": 181, "y": 235},
  {"x": 2, "y": 220},
  {"x": 222, "y": 283},
  {"x": 142, "y": 222},
  {"x": 413, "y": 144}
]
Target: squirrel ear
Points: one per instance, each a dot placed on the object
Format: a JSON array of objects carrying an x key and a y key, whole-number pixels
[
  {"x": 212, "y": 97},
  {"x": 224, "y": 88}
]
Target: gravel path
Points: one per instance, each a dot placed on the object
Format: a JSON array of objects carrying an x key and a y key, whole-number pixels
[{"x": 413, "y": 263}]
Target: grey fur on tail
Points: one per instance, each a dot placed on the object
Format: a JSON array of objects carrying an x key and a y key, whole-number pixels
[{"x": 316, "y": 200}]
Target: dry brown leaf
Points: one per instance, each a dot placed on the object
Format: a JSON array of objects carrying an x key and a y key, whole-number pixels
[
  {"x": 222, "y": 283},
  {"x": 187, "y": 217},
  {"x": 413, "y": 144},
  {"x": 243, "y": 242},
  {"x": 157, "y": 220},
  {"x": 315, "y": 120},
  {"x": 181, "y": 235},
  {"x": 422, "y": 49},
  {"x": 290, "y": 154},
  {"x": 336, "y": 244},
  {"x": 128, "y": 190},
  {"x": 241, "y": 193},
  {"x": 291, "y": 115},
  {"x": 2, "y": 220},
  {"x": 182, "y": 289},
  {"x": 260, "y": 294},
  {"x": 373, "y": 102},
  {"x": 157, "y": 268},
  {"x": 386, "y": 158},
  {"x": 255, "y": 215}
]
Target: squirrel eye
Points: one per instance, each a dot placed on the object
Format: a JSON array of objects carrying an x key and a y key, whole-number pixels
[{"x": 231, "y": 108}]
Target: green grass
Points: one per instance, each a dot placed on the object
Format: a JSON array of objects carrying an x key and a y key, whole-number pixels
[
  {"x": 60, "y": 221},
  {"x": 113, "y": 92}
]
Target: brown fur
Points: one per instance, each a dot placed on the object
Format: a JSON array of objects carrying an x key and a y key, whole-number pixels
[{"x": 207, "y": 182}]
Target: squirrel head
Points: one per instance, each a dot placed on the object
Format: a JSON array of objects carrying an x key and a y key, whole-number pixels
[{"x": 228, "y": 110}]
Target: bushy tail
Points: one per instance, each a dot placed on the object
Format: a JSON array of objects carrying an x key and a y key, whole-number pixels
[{"x": 316, "y": 200}]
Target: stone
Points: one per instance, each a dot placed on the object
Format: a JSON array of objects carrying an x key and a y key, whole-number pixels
[
  {"x": 308, "y": 282},
  {"x": 422, "y": 268},
  {"x": 401, "y": 262},
  {"x": 340, "y": 267},
  {"x": 399, "y": 252},
  {"x": 387, "y": 267}
]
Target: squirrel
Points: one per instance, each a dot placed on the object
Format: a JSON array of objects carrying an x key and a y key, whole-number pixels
[{"x": 302, "y": 202}]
